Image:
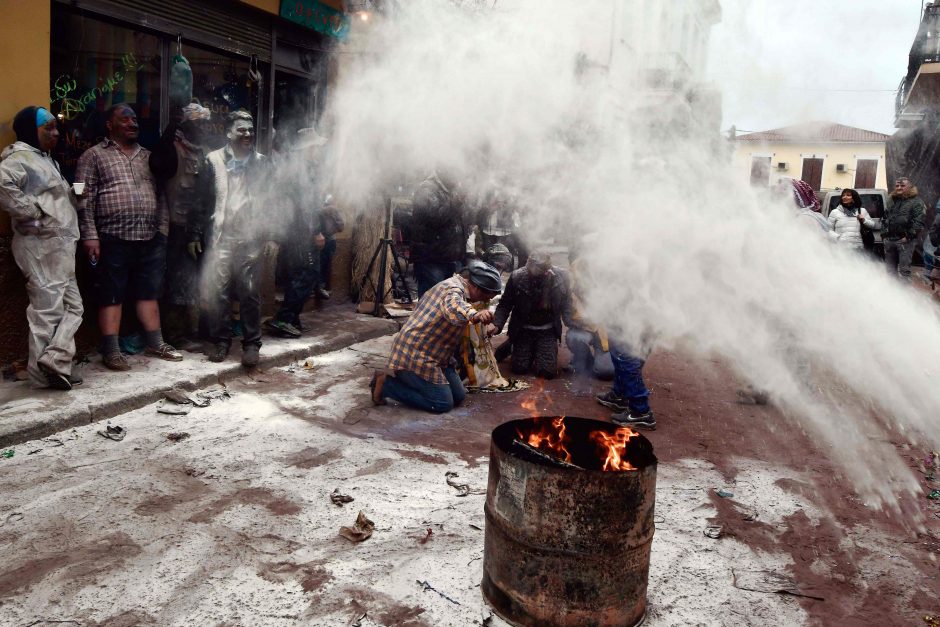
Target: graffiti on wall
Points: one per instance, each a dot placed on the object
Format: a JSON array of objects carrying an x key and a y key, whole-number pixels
[{"x": 68, "y": 102}]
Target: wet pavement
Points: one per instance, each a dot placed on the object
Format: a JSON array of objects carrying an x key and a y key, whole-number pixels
[{"x": 223, "y": 516}]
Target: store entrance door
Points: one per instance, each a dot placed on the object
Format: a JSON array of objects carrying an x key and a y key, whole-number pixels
[{"x": 296, "y": 106}]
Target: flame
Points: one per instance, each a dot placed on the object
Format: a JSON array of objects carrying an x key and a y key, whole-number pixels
[
  {"x": 615, "y": 447},
  {"x": 550, "y": 437},
  {"x": 529, "y": 404}
]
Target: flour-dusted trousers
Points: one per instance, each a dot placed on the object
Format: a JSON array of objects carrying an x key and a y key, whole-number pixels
[
  {"x": 234, "y": 265},
  {"x": 55, "y": 305}
]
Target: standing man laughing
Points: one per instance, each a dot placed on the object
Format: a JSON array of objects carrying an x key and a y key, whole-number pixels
[{"x": 124, "y": 231}]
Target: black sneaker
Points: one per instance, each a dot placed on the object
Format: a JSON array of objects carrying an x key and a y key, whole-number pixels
[
  {"x": 218, "y": 352},
  {"x": 614, "y": 401},
  {"x": 279, "y": 327},
  {"x": 57, "y": 381},
  {"x": 645, "y": 420}
]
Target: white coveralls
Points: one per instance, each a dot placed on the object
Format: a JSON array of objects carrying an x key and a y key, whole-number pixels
[{"x": 45, "y": 223}]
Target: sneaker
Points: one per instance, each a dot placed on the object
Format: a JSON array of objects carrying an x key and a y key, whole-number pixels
[
  {"x": 645, "y": 420},
  {"x": 614, "y": 401},
  {"x": 251, "y": 355},
  {"x": 116, "y": 361},
  {"x": 165, "y": 352},
  {"x": 218, "y": 353},
  {"x": 279, "y": 327},
  {"x": 57, "y": 381}
]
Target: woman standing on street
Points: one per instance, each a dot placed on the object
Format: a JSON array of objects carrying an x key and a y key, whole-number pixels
[{"x": 847, "y": 220}]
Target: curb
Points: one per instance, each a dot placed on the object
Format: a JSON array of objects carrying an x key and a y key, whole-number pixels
[{"x": 106, "y": 409}]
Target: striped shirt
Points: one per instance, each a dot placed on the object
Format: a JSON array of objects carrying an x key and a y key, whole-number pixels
[
  {"x": 120, "y": 196},
  {"x": 429, "y": 338}
]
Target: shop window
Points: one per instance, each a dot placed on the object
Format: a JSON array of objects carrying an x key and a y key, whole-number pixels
[
  {"x": 222, "y": 84},
  {"x": 95, "y": 64}
]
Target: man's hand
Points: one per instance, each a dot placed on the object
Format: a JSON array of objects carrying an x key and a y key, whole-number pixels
[
  {"x": 319, "y": 241},
  {"x": 92, "y": 249},
  {"x": 484, "y": 317},
  {"x": 195, "y": 249},
  {"x": 490, "y": 330}
]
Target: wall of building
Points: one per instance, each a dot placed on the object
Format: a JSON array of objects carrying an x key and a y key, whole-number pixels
[
  {"x": 24, "y": 66},
  {"x": 793, "y": 155}
]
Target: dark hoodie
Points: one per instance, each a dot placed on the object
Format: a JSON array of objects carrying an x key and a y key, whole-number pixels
[{"x": 24, "y": 125}]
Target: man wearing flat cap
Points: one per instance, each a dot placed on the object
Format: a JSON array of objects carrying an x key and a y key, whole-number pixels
[{"x": 421, "y": 358}]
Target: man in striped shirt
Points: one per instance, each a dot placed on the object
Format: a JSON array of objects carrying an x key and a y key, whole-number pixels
[{"x": 422, "y": 352}]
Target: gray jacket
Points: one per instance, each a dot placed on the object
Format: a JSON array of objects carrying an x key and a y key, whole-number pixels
[{"x": 35, "y": 194}]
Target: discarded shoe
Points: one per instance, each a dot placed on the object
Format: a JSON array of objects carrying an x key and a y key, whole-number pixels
[
  {"x": 57, "y": 380},
  {"x": 378, "y": 380},
  {"x": 116, "y": 361},
  {"x": 115, "y": 433},
  {"x": 644, "y": 420},
  {"x": 614, "y": 401},
  {"x": 251, "y": 355},
  {"x": 164, "y": 352},
  {"x": 281, "y": 328},
  {"x": 218, "y": 353}
]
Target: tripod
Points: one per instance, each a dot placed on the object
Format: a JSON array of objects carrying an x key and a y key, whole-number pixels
[{"x": 382, "y": 250}]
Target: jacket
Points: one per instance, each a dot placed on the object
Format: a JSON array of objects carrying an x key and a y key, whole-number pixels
[
  {"x": 209, "y": 219},
  {"x": 847, "y": 228},
  {"x": 904, "y": 217},
  {"x": 35, "y": 194},
  {"x": 520, "y": 297},
  {"x": 437, "y": 231}
]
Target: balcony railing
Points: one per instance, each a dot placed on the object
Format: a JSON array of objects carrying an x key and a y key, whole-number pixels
[{"x": 925, "y": 49}]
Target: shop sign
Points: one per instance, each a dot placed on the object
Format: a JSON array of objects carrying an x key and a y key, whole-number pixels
[{"x": 316, "y": 16}]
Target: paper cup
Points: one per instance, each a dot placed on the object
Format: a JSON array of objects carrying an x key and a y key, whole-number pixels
[{"x": 79, "y": 188}]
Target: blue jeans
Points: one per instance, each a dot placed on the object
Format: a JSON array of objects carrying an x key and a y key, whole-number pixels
[
  {"x": 628, "y": 379},
  {"x": 427, "y": 275},
  {"x": 408, "y": 388}
]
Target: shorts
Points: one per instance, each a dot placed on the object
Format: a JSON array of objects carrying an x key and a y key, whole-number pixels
[{"x": 130, "y": 270}]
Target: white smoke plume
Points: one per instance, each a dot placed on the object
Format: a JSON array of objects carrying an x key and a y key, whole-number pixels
[{"x": 683, "y": 251}]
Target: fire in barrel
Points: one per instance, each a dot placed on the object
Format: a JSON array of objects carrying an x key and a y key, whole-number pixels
[{"x": 569, "y": 522}]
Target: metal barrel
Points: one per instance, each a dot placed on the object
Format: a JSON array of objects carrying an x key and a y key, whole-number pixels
[{"x": 567, "y": 546}]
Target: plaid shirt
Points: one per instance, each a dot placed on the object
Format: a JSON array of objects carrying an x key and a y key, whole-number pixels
[
  {"x": 120, "y": 197},
  {"x": 428, "y": 339}
]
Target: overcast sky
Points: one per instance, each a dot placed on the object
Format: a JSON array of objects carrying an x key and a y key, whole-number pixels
[{"x": 780, "y": 62}]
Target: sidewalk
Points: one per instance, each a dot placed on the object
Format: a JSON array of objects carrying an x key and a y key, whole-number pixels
[{"x": 26, "y": 414}]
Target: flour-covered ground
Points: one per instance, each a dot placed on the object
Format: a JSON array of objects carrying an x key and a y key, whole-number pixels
[{"x": 233, "y": 525}]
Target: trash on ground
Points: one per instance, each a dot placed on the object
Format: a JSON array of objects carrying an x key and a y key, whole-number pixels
[
  {"x": 340, "y": 499},
  {"x": 214, "y": 393},
  {"x": 463, "y": 489},
  {"x": 767, "y": 581},
  {"x": 174, "y": 410},
  {"x": 178, "y": 396},
  {"x": 426, "y": 586},
  {"x": 724, "y": 493},
  {"x": 932, "y": 621},
  {"x": 935, "y": 495},
  {"x": 357, "y": 621},
  {"x": 7, "y": 453},
  {"x": 750, "y": 517},
  {"x": 308, "y": 364},
  {"x": 195, "y": 472},
  {"x": 427, "y": 536},
  {"x": 362, "y": 530},
  {"x": 472, "y": 526},
  {"x": 177, "y": 436},
  {"x": 114, "y": 432},
  {"x": 713, "y": 532}
]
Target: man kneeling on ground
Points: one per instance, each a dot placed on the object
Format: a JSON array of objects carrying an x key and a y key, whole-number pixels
[{"x": 422, "y": 352}]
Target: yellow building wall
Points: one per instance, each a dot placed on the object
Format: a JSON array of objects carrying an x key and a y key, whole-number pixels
[
  {"x": 793, "y": 155},
  {"x": 24, "y": 59},
  {"x": 24, "y": 66}
]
